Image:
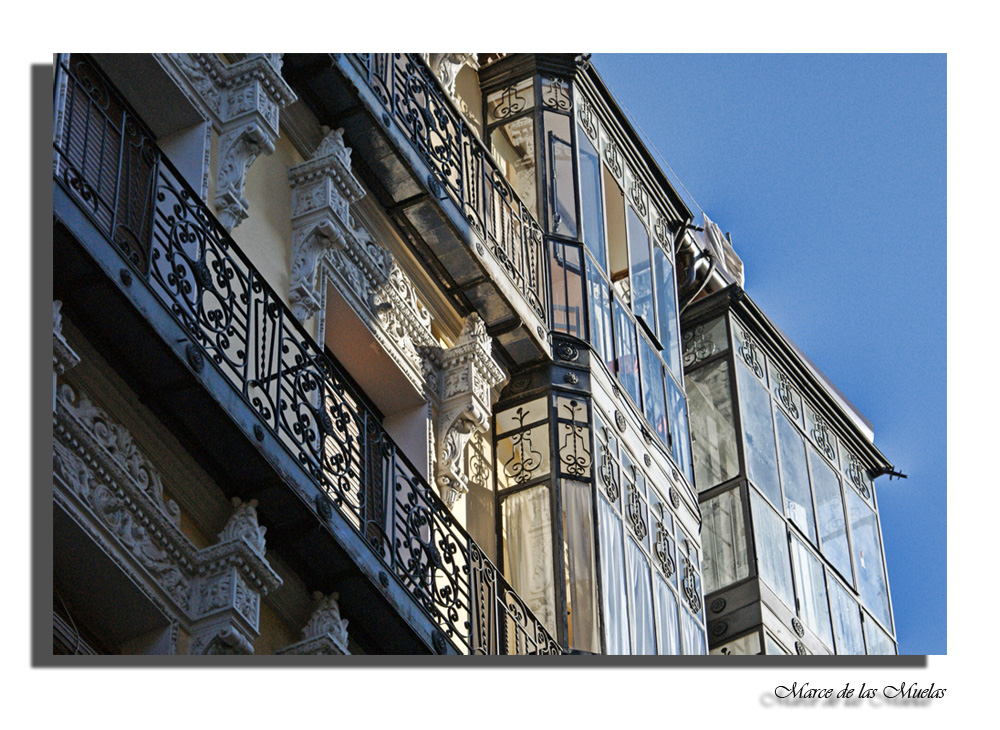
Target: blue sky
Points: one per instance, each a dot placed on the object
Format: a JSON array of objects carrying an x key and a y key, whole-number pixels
[{"x": 830, "y": 173}]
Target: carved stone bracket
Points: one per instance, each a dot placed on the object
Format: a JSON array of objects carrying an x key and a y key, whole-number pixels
[
  {"x": 63, "y": 356},
  {"x": 328, "y": 246},
  {"x": 470, "y": 380},
  {"x": 242, "y": 100},
  {"x": 116, "y": 494},
  {"x": 324, "y": 633}
]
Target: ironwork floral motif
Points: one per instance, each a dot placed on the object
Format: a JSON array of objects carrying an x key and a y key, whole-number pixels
[
  {"x": 663, "y": 548},
  {"x": 613, "y": 156},
  {"x": 634, "y": 510},
  {"x": 750, "y": 352},
  {"x": 821, "y": 436},
  {"x": 786, "y": 394},
  {"x": 555, "y": 94},
  {"x": 609, "y": 468},
  {"x": 690, "y": 587},
  {"x": 511, "y": 103},
  {"x": 574, "y": 452},
  {"x": 524, "y": 460},
  {"x": 698, "y": 346},
  {"x": 856, "y": 475}
]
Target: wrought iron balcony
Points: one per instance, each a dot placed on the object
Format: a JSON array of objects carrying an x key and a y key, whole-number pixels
[
  {"x": 462, "y": 168},
  {"x": 107, "y": 163}
]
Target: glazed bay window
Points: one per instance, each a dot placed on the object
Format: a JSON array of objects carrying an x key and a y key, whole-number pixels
[
  {"x": 650, "y": 575},
  {"x": 795, "y": 476},
  {"x": 846, "y": 620},
  {"x": 758, "y": 428},
  {"x": 868, "y": 558},
  {"x": 725, "y": 540},
  {"x": 771, "y": 539},
  {"x": 810, "y": 588},
  {"x": 511, "y": 127},
  {"x": 566, "y": 271}
]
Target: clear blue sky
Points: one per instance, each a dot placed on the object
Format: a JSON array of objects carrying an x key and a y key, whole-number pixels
[{"x": 830, "y": 173}]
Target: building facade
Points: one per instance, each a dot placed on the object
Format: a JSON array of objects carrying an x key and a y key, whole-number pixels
[{"x": 383, "y": 353}]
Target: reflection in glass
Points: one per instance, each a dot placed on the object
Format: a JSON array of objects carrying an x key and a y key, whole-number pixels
[
  {"x": 566, "y": 270},
  {"x": 600, "y": 316},
  {"x": 626, "y": 355},
  {"x": 878, "y": 641},
  {"x": 830, "y": 515},
  {"x": 680, "y": 438},
  {"x": 654, "y": 400},
  {"x": 811, "y": 589},
  {"x": 758, "y": 434},
  {"x": 642, "y": 270},
  {"x": 561, "y": 193},
  {"x": 772, "y": 549},
  {"x": 846, "y": 620},
  {"x": 725, "y": 540},
  {"x": 669, "y": 329},
  {"x": 590, "y": 199},
  {"x": 713, "y": 432},
  {"x": 513, "y": 147},
  {"x": 527, "y": 545},
  {"x": 795, "y": 476},
  {"x": 868, "y": 557}
]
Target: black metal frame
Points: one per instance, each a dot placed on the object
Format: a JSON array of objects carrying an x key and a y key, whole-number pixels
[{"x": 238, "y": 323}]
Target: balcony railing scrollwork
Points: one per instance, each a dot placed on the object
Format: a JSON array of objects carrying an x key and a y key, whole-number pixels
[
  {"x": 462, "y": 168},
  {"x": 107, "y": 161}
]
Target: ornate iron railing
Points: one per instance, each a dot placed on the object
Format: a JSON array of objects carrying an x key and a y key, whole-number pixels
[
  {"x": 461, "y": 167},
  {"x": 193, "y": 266}
]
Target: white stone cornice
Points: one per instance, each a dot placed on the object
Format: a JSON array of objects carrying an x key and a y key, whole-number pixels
[
  {"x": 242, "y": 101},
  {"x": 115, "y": 493},
  {"x": 446, "y": 67}
]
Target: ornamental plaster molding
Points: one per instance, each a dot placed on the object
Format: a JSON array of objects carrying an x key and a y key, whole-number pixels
[
  {"x": 116, "y": 494},
  {"x": 324, "y": 633},
  {"x": 243, "y": 101},
  {"x": 470, "y": 382},
  {"x": 329, "y": 247}
]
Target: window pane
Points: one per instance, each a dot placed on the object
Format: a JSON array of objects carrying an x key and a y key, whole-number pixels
[
  {"x": 772, "y": 548},
  {"x": 523, "y": 456},
  {"x": 669, "y": 330},
  {"x": 830, "y": 514},
  {"x": 527, "y": 543},
  {"x": 868, "y": 557},
  {"x": 811, "y": 588},
  {"x": 758, "y": 434},
  {"x": 616, "y": 629},
  {"x": 667, "y": 629},
  {"x": 566, "y": 268},
  {"x": 513, "y": 147},
  {"x": 713, "y": 432},
  {"x": 561, "y": 193},
  {"x": 680, "y": 438},
  {"x": 725, "y": 541},
  {"x": 846, "y": 620},
  {"x": 704, "y": 341},
  {"x": 795, "y": 476},
  {"x": 614, "y": 218},
  {"x": 773, "y": 647},
  {"x": 692, "y": 637},
  {"x": 627, "y": 360},
  {"x": 642, "y": 270},
  {"x": 600, "y": 316},
  {"x": 644, "y": 640},
  {"x": 878, "y": 641},
  {"x": 654, "y": 400},
  {"x": 581, "y": 582},
  {"x": 590, "y": 198}
]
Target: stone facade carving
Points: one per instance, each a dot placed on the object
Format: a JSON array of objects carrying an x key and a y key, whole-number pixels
[
  {"x": 243, "y": 101},
  {"x": 446, "y": 66},
  {"x": 63, "y": 356},
  {"x": 329, "y": 247},
  {"x": 116, "y": 494},
  {"x": 469, "y": 383},
  {"x": 325, "y": 632}
]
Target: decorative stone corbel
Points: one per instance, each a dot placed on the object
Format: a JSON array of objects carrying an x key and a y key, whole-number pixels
[
  {"x": 322, "y": 190},
  {"x": 446, "y": 67},
  {"x": 325, "y": 632},
  {"x": 242, "y": 100},
  {"x": 470, "y": 380},
  {"x": 233, "y": 576}
]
